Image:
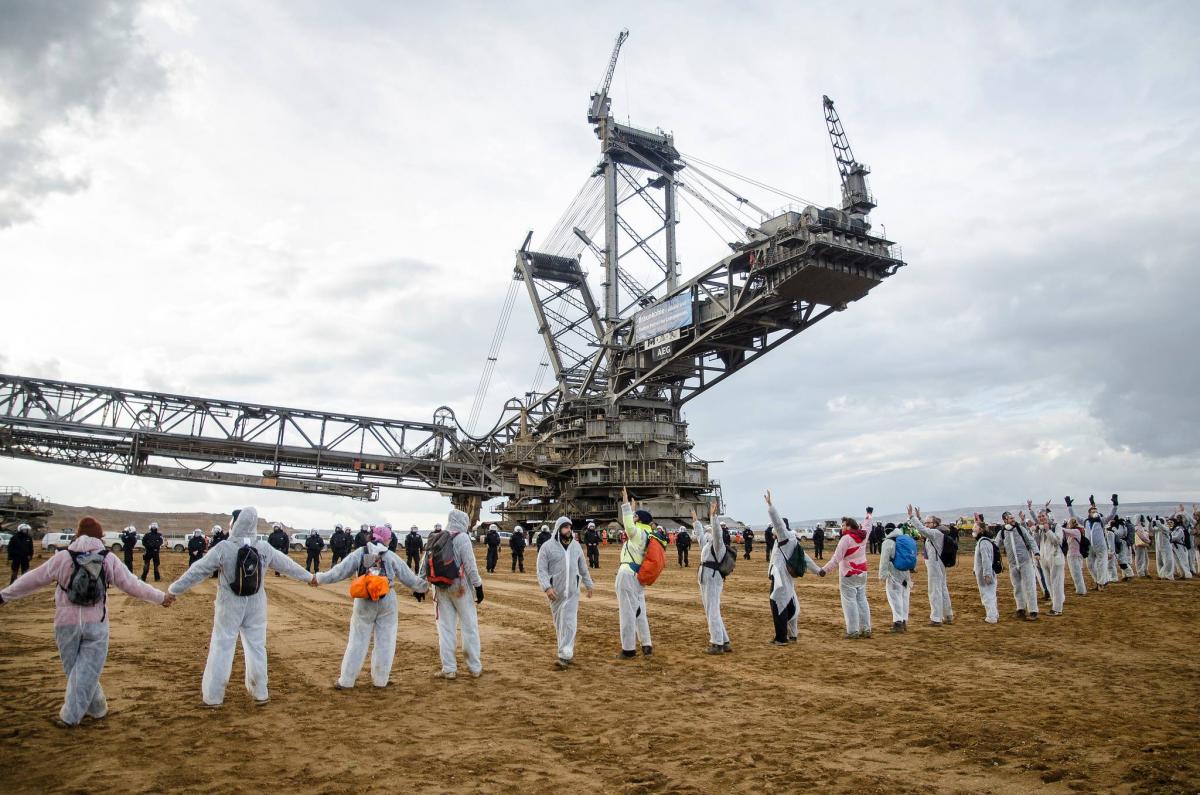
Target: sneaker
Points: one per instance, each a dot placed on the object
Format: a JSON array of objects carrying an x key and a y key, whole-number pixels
[
  {"x": 726, "y": 648},
  {"x": 792, "y": 638},
  {"x": 446, "y": 675},
  {"x": 851, "y": 636},
  {"x": 714, "y": 648},
  {"x": 339, "y": 686},
  {"x": 647, "y": 651},
  {"x": 935, "y": 623},
  {"x": 626, "y": 655},
  {"x": 563, "y": 664},
  {"x": 1056, "y": 612},
  {"x": 262, "y": 703},
  {"x": 1019, "y": 614},
  {"x": 865, "y": 634},
  {"x": 775, "y": 642},
  {"x": 897, "y": 626},
  {"x": 477, "y": 674},
  {"x": 949, "y": 620},
  {"x": 1033, "y": 616}
]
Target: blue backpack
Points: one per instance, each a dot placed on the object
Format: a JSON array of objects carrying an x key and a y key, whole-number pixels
[{"x": 905, "y": 557}]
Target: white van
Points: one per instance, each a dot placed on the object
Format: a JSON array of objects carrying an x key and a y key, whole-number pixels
[{"x": 52, "y": 542}]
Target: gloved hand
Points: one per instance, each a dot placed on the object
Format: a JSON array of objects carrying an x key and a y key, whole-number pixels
[
  {"x": 1069, "y": 501},
  {"x": 1092, "y": 500},
  {"x": 1114, "y": 501},
  {"x": 478, "y": 594},
  {"x": 420, "y": 597},
  {"x": 870, "y": 510}
]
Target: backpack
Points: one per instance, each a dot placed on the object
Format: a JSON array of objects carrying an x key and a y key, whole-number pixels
[
  {"x": 88, "y": 583},
  {"x": 725, "y": 565},
  {"x": 1187, "y": 537},
  {"x": 441, "y": 565},
  {"x": 949, "y": 554},
  {"x": 997, "y": 566},
  {"x": 368, "y": 584},
  {"x": 247, "y": 574},
  {"x": 1085, "y": 544},
  {"x": 655, "y": 559},
  {"x": 795, "y": 561},
  {"x": 905, "y": 556}
]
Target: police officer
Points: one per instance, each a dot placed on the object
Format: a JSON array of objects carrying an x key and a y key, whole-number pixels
[
  {"x": 492, "y": 539},
  {"x": 413, "y": 546},
  {"x": 591, "y": 540},
  {"x": 195, "y": 546},
  {"x": 278, "y": 539},
  {"x": 20, "y": 551},
  {"x": 314, "y": 544},
  {"x": 362, "y": 538},
  {"x": 129, "y": 540},
  {"x": 819, "y": 542},
  {"x": 218, "y": 535},
  {"x": 395, "y": 540},
  {"x": 747, "y": 542},
  {"x": 151, "y": 543},
  {"x": 339, "y": 545},
  {"x": 683, "y": 543},
  {"x": 543, "y": 536},
  {"x": 517, "y": 545}
]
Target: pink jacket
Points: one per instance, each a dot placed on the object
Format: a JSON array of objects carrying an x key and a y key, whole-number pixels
[
  {"x": 58, "y": 570},
  {"x": 850, "y": 556}
]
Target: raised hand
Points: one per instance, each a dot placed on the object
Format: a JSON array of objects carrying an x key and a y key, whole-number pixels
[
  {"x": 1029, "y": 505},
  {"x": 695, "y": 518},
  {"x": 910, "y": 510},
  {"x": 624, "y": 494},
  {"x": 767, "y": 497},
  {"x": 712, "y": 510}
]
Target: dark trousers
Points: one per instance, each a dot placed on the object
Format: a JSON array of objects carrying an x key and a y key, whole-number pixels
[
  {"x": 128, "y": 558},
  {"x": 518, "y": 560},
  {"x": 683, "y": 555},
  {"x": 314, "y": 560},
  {"x": 770, "y": 546},
  {"x": 593, "y": 555},
  {"x": 781, "y": 619},
  {"x": 193, "y": 557},
  {"x": 413, "y": 559},
  {"x": 492, "y": 555},
  {"x": 19, "y": 567},
  {"x": 746, "y": 556},
  {"x": 146, "y": 560},
  {"x": 818, "y": 549}
]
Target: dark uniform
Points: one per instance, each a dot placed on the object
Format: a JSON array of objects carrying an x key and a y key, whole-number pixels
[
  {"x": 361, "y": 539},
  {"x": 413, "y": 546},
  {"x": 683, "y": 543},
  {"x": 128, "y": 544},
  {"x": 20, "y": 552},
  {"x": 218, "y": 536},
  {"x": 543, "y": 536},
  {"x": 394, "y": 543},
  {"x": 314, "y": 544},
  {"x": 517, "y": 545},
  {"x": 492, "y": 539},
  {"x": 591, "y": 540},
  {"x": 279, "y": 540},
  {"x": 747, "y": 543},
  {"x": 151, "y": 543},
  {"x": 769, "y": 537},
  {"x": 339, "y": 545},
  {"x": 819, "y": 542},
  {"x": 195, "y": 549}
]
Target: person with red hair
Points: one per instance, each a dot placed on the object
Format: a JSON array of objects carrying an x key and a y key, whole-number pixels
[{"x": 82, "y": 572}]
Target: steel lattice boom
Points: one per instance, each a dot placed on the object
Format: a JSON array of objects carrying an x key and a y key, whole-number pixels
[{"x": 624, "y": 366}]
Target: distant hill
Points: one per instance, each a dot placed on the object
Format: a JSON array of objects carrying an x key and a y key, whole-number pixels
[{"x": 169, "y": 524}]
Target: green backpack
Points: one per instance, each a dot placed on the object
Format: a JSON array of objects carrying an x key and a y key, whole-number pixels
[{"x": 796, "y": 562}]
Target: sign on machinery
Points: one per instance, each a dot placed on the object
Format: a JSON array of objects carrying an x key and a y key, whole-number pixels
[{"x": 662, "y": 318}]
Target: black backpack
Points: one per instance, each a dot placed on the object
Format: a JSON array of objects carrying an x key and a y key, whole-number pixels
[
  {"x": 997, "y": 566},
  {"x": 88, "y": 582},
  {"x": 1085, "y": 543},
  {"x": 949, "y": 553},
  {"x": 725, "y": 565},
  {"x": 247, "y": 576}
]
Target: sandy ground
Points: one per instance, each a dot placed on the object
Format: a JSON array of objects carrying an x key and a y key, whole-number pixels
[{"x": 1103, "y": 698}]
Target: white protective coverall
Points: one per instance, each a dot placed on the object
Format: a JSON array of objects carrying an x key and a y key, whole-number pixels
[
  {"x": 1054, "y": 563},
  {"x": 631, "y": 594},
  {"x": 1098, "y": 554},
  {"x": 368, "y": 618},
  {"x": 1022, "y": 567},
  {"x": 940, "y": 609},
  {"x": 237, "y": 616},
  {"x": 1181, "y": 552},
  {"x": 986, "y": 551},
  {"x": 898, "y": 584},
  {"x": 712, "y": 584},
  {"x": 1110, "y": 538},
  {"x": 565, "y": 570},
  {"x": 1075, "y": 559},
  {"x": 454, "y": 604},
  {"x": 1193, "y": 548},
  {"x": 1141, "y": 550},
  {"x": 1164, "y": 557},
  {"x": 1124, "y": 551},
  {"x": 783, "y": 585}
]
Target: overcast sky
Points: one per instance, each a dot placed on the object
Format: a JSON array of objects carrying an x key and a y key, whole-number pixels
[{"x": 316, "y": 205}]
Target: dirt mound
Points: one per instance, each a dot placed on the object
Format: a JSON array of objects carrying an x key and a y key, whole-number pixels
[
  {"x": 169, "y": 524},
  {"x": 1100, "y": 699}
]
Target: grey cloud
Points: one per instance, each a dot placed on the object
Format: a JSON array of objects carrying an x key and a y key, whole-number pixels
[{"x": 63, "y": 64}]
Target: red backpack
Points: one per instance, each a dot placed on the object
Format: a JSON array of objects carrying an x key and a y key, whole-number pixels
[{"x": 655, "y": 558}]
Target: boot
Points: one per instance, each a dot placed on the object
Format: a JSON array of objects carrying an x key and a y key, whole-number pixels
[
  {"x": 897, "y": 626},
  {"x": 714, "y": 648}
]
